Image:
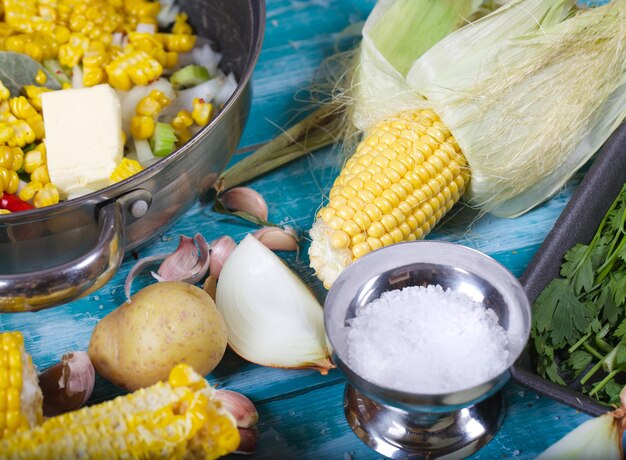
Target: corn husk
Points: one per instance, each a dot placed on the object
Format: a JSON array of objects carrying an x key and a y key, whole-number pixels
[
  {"x": 332, "y": 122},
  {"x": 530, "y": 92}
]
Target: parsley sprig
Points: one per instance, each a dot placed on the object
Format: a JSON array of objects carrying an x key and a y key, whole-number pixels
[{"x": 579, "y": 319}]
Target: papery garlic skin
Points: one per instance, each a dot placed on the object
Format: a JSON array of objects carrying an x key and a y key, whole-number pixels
[{"x": 271, "y": 316}]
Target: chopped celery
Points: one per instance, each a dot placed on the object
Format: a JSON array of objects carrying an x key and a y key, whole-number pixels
[
  {"x": 188, "y": 76},
  {"x": 55, "y": 68},
  {"x": 163, "y": 140}
]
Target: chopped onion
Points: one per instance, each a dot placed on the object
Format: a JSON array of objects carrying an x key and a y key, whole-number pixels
[
  {"x": 228, "y": 88},
  {"x": 77, "y": 77},
  {"x": 129, "y": 99},
  {"x": 272, "y": 317},
  {"x": 143, "y": 152},
  {"x": 167, "y": 13},
  {"x": 207, "y": 57},
  {"x": 184, "y": 100},
  {"x": 146, "y": 28}
]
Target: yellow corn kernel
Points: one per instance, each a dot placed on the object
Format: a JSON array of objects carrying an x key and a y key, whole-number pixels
[
  {"x": 142, "y": 126},
  {"x": 202, "y": 112},
  {"x": 72, "y": 52},
  {"x": 180, "y": 25},
  {"x": 183, "y": 119},
  {"x": 9, "y": 180},
  {"x": 93, "y": 76},
  {"x": 20, "y": 397},
  {"x": 62, "y": 34},
  {"x": 47, "y": 196},
  {"x": 11, "y": 157},
  {"x": 21, "y": 108},
  {"x": 124, "y": 170},
  {"x": 148, "y": 106},
  {"x": 160, "y": 97},
  {"x": 29, "y": 190},
  {"x": 177, "y": 42},
  {"x": 6, "y": 132},
  {"x": 41, "y": 77},
  {"x": 36, "y": 124},
  {"x": 35, "y": 158},
  {"x": 41, "y": 175},
  {"x": 22, "y": 134},
  {"x": 167, "y": 420},
  {"x": 134, "y": 67},
  {"x": 4, "y": 92},
  {"x": 400, "y": 188},
  {"x": 33, "y": 93},
  {"x": 339, "y": 239}
]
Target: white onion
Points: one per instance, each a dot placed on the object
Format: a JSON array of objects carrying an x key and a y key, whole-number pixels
[
  {"x": 207, "y": 57},
  {"x": 271, "y": 316},
  {"x": 227, "y": 89}
]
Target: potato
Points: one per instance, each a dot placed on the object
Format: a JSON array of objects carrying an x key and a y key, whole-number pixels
[{"x": 138, "y": 343}]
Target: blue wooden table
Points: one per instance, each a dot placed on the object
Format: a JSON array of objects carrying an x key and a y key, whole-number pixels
[{"x": 301, "y": 412}]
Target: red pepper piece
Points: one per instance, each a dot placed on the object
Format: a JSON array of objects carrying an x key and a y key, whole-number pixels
[{"x": 13, "y": 203}]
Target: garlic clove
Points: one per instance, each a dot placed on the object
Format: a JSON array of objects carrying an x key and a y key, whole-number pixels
[
  {"x": 210, "y": 286},
  {"x": 278, "y": 239},
  {"x": 247, "y": 441},
  {"x": 185, "y": 264},
  {"x": 239, "y": 406},
  {"x": 67, "y": 386},
  {"x": 246, "y": 200},
  {"x": 220, "y": 250},
  {"x": 272, "y": 317}
]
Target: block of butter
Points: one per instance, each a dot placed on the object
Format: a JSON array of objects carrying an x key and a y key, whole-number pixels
[{"x": 83, "y": 137}]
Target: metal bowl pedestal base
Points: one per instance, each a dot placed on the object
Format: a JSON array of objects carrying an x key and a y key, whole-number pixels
[{"x": 399, "y": 434}]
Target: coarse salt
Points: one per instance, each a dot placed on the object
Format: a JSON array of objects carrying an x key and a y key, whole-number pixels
[{"x": 426, "y": 340}]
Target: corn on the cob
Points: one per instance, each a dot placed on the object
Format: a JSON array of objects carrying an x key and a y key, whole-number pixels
[
  {"x": 20, "y": 396},
  {"x": 178, "y": 419},
  {"x": 404, "y": 176}
]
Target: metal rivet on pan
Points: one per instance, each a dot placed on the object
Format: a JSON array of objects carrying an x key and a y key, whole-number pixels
[{"x": 139, "y": 208}]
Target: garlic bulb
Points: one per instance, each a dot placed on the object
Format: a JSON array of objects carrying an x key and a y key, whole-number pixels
[{"x": 272, "y": 317}]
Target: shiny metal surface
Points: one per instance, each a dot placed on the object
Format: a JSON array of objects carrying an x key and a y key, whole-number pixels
[
  {"x": 421, "y": 263},
  {"x": 400, "y": 434},
  {"x": 39, "y": 243}
]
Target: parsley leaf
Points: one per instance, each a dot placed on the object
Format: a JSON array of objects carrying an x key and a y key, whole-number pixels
[
  {"x": 617, "y": 287},
  {"x": 572, "y": 258},
  {"x": 558, "y": 312},
  {"x": 621, "y": 329},
  {"x": 579, "y": 360}
]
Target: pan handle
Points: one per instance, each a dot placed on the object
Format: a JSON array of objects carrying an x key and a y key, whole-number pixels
[{"x": 71, "y": 280}]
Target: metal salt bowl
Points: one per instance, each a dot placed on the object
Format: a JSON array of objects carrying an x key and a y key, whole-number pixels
[{"x": 404, "y": 425}]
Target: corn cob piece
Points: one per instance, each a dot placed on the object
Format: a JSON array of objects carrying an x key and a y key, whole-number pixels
[
  {"x": 404, "y": 176},
  {"x": 20, "y": 396},
  {"x": 178, "y": 419}
]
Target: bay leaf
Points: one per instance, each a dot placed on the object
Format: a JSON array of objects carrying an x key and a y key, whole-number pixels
[{"x": 17, "y": 70}]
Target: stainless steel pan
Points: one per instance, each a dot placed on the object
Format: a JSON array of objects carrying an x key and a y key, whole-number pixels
[{"x": 54, "y": 255}]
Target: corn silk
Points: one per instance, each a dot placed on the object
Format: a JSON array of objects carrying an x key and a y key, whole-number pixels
[{"x": 529, "y": 91}]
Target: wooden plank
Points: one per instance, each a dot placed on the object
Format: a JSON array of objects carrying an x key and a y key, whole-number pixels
[{"x": 300, "y": 34}]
